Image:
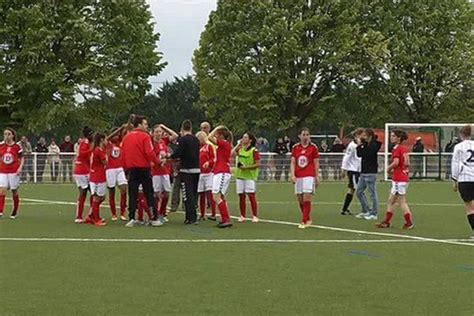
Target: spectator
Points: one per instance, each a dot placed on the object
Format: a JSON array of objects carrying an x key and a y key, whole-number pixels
[
  {"x": 418, "y": 159},
  {"x": 41, "y": 149},
  {"x": 289, "y": 144},
  {"x": 338, "y": 148},
  {"x": 67, "y": 147},
  {"x": 263, "y": 147},
  {"x": 449, "y": 148},
  {"x": 281, "y": 165},
  {"x": 54, "y": 159},
  {"x": 205, "y": 127},
  {"x": 324, "y": 160},
  {"x": 28, "y": 165}
]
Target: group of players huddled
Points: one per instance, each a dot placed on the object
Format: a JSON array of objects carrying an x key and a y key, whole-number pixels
[{"x": 135, "y": 154}]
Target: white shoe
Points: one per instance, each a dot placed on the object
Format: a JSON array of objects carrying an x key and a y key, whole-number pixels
[
  {"x": 371, "y": 217},
  {"x": 165, "y": 219},
  {"x": 471, "y": 238},
  {"x": 242, "y": 219},
  {"x": 156, "y": 223},
  {"x": 360, "y": 215},
  {"x": 255, "y": 219},
  {"x": 301, "y": 226},
  {"x": 1, "y": 215},
  {"x": 78, "y": 221},
  {"x": 13, "y": 216},
  {"x": 131, "y": 223}
]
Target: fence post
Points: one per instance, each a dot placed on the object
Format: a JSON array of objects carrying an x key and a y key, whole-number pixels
[{"x": 35, "y": 164}]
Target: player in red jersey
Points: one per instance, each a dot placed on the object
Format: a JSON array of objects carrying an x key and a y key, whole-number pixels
[
  {"x": 115, "y": 175},
  {"x": 82, "y": 169},
  {"x": 400, "y": 179},
  {"x": 305, "y": 173},
  {"x": 98, "y": 179},
  {"x": 207, "y": 158},
  {"x": 222, "y": 137},
  {"x": 161, "y": 173},
  {"x": 11, "y": 165}
]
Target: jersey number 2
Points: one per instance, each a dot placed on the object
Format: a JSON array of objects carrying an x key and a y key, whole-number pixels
[{"x": 470, "y": 159}]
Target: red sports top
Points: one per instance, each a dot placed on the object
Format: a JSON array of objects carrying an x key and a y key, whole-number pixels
[
  {"x": 400, "y": 172},
  {"x": 83, "y": 158},
  {"x": 206, "y": 154},
  {"x": 304, "y": 157},
  {"x": 114, "y": 156},
  {"x": 10, "y": 157},
  {"x": 137, "y": 150},
  {"x": 161, "y": 149},
  {"x": 99, "y": 156},
  {"x": 224, "y": 149}
]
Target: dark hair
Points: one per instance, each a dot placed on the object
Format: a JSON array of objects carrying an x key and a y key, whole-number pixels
[
  {"x": 304, "y": 129},
  {"x": 466, "y": 131},
  {"x": 357, "y": 132},
  {"x": 253, "y": 139},
  {"x": 370, "y": 132},
  {"x": 187, "y": 126},
  {"x": 137, "y": 120},
  {"x": 227, "y": 134},
  {"x": 98, "y": 137},
  {"x": 12, "y": 131},
  {"x": 400, "y": 134},
  {"x": 87, "y": 132}
]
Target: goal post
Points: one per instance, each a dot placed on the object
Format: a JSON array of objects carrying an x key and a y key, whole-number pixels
[{"x": 430, "y": 146}]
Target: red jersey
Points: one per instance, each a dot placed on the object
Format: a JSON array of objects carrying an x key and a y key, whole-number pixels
[
  {"x": 83, "y": 158},
  {"x": 224, "y": 149},
  {"x": 114, "y": 156},
  {"x": 400, "y": 172},
  {"x": 304, "y": 157},
  {"x": 206, "y": 154},
  {"x": 10, "y": 157},
  {"x": 97, "y": 174},
  {"x": 162, "y": 150}
]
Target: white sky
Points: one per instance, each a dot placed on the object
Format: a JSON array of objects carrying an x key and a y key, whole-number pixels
[{"x": 180, "y": 23}]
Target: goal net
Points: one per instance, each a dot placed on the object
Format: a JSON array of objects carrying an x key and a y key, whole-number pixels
[{"x": 430, "y": 145}]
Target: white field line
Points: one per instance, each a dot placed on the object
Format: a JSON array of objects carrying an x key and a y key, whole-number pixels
[
  {"x": 262, "y": 241},
  {"x": 362, "y": 232}
]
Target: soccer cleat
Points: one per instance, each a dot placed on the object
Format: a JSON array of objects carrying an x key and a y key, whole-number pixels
[
  {"x": 471, "y": 238},
  {"x": 123, "y": 218},
  {"x": 361, "y": 215},
  {"x": 346, "y": 212},
  {"x": 1, "y": 214},
  {"x": 212, "y": 218},
  {"x": 13, "y": 216},
  {"x": 242, "y": 219},
  {"x": 164, "y": 219},
  {"x": 78, "y": 221},
  {"x": 100, "y": 223},
  {"x": 131, "y": 223},
  {"x": 370, "y": 217},
  {"x": 114, "y": 218},
  {"x": 408, "y": 226},
  {"x": 302, "y": 226},
  {"x": 157, "y": 223},
  {"x": 89, "y": 220},
  {"x": 202, "y": 218},
  {"x": 224, "y": 225},
  {"x": 382, "y": 225},
  {"x": 255, "y": 219}
]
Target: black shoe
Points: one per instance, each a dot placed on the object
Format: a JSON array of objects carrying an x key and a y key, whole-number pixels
[
  {"x": 187, "y": 222},
  {"x": 212, "y": 218},
  {"x": 346, "y": 212},
  {"x": 224, "y": 225}
]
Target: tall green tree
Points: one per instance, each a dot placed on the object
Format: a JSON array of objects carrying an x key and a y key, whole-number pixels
[
  {"x": 274, "y": 63},
  {"x": 58, "y": 58}
]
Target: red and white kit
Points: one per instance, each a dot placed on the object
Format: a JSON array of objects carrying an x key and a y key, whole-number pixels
[
  {"x": 97, "y": 172},
  {"x": 82, "y": 164},
  {"x": 161, "y": 172},
  {"x": 401, "y": 173},
  {"x": 305, "y": 168},
  {"x": 222, "y": 174},
  {"x": 114, "y": 171},
  {"x": 206, "y": 161},
  {"x": 10, "y": 160}
]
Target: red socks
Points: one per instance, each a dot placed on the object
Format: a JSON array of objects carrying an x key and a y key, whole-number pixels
[
  {"x": 80, "y": 206},
  {"x": 408, "y": 218},
  {"x": 213, "y": 203},
  {"x": 224, "y": 210},
  {"x": 123, "y": 203},
  {"x": 242, "y": 205},
  {"x": 202, "y": 203},
  {"x": 16, "y": 204},
  {"x": 113, "y": 209},
  {"x": 163, "y": 204},
  {"x": 96, "y": 210},
  {"x": 2, "y": 203},
  {"x": 253, "y": 203},
  {"x": 388, "y": 217},
  {"x": 306, "y": 211}
]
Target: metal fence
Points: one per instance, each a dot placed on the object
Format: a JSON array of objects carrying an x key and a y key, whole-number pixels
[{"x": 47, "y": 168}]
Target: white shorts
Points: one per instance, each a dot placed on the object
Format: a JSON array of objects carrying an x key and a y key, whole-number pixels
[
  {"x": 220, "y": 183},
  {"x": 11, "y": 181},
  {"x": 399, "y": 188},
  {"x": 304, "y": 185},
  {"x": 205, "y": 182},
  {"x": 246, "y": 186},
  {"x": 161, "y": 183},
  {"x": 98, "y": 189},
  {"x": 115, "y": 177},
  {"x": 82, "y": 180}
]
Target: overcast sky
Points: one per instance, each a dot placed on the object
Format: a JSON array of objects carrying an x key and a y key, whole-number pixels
[{"x": 180, "y": 23}]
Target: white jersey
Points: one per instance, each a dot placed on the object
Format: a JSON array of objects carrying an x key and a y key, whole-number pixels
[
  {"x": 351, "y": 162},
  {"x": 462, "y": 164}
]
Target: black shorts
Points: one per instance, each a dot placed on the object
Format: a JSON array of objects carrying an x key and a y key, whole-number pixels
[
  {"x": 353, "y": 177},
  {"x": 466, "y": 190}
]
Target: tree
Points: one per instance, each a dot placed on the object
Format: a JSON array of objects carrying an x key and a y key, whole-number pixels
[
  {"x": 174, "y": 102},
  {"x": 58, "y": 58},
  {"x": 431, "y": 58},
  {"x": 274, "y": 63}
]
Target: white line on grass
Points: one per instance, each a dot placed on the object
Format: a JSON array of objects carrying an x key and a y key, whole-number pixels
[
  {"x": 264, "y": 241},
  {"x": 346, "y": 230}
]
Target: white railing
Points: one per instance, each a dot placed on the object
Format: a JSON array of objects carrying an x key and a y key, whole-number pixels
[{"x": 47, "y": 168}]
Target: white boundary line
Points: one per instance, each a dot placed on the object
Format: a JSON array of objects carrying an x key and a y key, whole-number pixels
[{"x": 362, "y": 232}]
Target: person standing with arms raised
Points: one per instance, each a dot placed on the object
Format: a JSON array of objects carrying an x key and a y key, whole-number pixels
[
  {"x": 138, "y": 158},
  {"x": 188, "y": 154}
]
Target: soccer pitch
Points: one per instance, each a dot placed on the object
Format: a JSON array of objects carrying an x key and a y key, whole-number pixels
[{"x": 343, "y": 265}]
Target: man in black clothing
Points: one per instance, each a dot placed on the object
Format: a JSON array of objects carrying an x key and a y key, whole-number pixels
[
  {"x": 188, "y": 154},
  {"x": 42, "y": 151},
  {"x": 281, "y": 150},
  {"x": 419, "y": 147},
  {"x": 67, "y": 147}
]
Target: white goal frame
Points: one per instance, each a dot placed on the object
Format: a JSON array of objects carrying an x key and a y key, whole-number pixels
[{"x": 387, "y": 137}]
